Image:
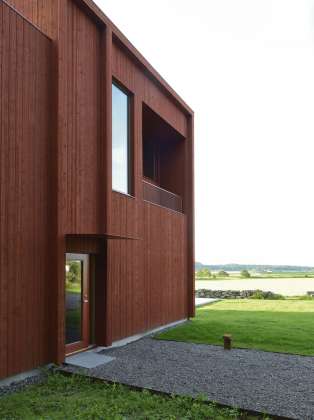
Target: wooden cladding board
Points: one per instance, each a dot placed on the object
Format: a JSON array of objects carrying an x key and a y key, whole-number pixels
[
  {"x": 56, "y": 181},
  {"x": 79, "y": 174},
  {"x": 126, "y": 216},
  {"x": 79, "y": 122},
  {"x": 24, "y": 193},
  {"x": 79, "y": 71},
  {"x": 148, "y": 280},
  {"x": 42, "y": 13}
]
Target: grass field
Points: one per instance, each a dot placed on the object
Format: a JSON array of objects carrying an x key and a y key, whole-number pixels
[
  {"x": 282, "y": 326},
  {"x": 78, "y": 398},
  {"x": 73, "y": 287}
]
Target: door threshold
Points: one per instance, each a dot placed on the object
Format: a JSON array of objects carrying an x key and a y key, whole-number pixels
[
  {"x": 91, "y": 346},
  {"x": 88, "y": 359}
]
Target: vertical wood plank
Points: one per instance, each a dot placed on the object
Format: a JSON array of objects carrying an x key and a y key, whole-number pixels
[
  {"x": 189, "y": 210},
  {"x": 24, "y": 114},
  {"x": 107, "y": 169},
  {"x": 107, "y": 45},
  {"x": 3, "y": 201},
  {"x": 12, "y": 187}
]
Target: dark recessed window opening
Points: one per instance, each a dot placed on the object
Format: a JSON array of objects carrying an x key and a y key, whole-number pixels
[
  {"x": 163, "y": 161},
  {"x": 151, "y": 159}
]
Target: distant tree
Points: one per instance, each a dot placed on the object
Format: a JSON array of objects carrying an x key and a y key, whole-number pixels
[
  {"x": 222, "y": 273},
  {"x": 207, "y": 273},
  {"x": 204, "y": 273},
  {"x": 74, "y": 272},
  {"x": 245, "y": 274}
]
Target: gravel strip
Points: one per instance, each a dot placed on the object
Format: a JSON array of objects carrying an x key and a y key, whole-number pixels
[
  {"x": 21, "y": 385},
  {"x": 272, "y": 383}
]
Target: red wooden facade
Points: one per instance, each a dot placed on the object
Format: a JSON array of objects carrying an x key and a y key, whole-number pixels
[{"x": 58, "y": 59}]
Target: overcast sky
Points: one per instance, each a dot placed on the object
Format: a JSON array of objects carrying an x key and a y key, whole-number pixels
[{"x": 246, "y": 67}]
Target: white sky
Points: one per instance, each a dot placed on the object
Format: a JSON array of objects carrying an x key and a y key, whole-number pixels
[{"x": 246, "y": 67}]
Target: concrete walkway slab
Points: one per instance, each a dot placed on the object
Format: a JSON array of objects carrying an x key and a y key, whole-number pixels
[
  {"x": 204, "y": 301},
  {"x": 89, "y": 359},
  {"x": 277, "y": 384}
]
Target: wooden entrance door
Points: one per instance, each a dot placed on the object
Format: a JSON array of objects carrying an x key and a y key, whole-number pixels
[{"x": 77, "y": 302}]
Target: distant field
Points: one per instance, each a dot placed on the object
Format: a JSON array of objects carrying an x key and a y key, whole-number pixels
[
  {"x": 287, "y": 286},
  {"x": 287, "y": 275},
  {"x": 237, "y": 276},
  {"x": 286, "y": 283}
]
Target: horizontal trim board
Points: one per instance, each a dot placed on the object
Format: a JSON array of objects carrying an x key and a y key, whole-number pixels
[
  {"x": 164, "y": 208},
  {"x": 102, "y": 236}
]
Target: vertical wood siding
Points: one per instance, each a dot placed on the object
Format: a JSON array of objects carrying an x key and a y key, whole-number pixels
[
  {"x": 148, "y": 276},
  {"x": 24, "y": 196},
  {"x": 56, "y": 181},
  {"x": 79, "y": 167},
  {"x": 42, "y": 13},
  {"x": 79, "y": 122}
]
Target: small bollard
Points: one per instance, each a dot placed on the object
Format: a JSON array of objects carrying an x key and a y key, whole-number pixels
[{"x": 227, "y": 341}]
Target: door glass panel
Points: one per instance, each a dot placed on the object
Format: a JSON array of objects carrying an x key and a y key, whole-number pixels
[{"x": 73, "y": 300}]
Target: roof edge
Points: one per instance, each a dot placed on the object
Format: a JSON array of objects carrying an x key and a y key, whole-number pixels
[{"x": 96, "y": 11}]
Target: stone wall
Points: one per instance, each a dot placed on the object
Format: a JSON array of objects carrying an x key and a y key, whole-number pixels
[{"x": 231, "y": 294}]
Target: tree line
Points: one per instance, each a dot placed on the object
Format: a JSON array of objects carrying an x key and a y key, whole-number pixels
[{"x": 205, "y": 273}]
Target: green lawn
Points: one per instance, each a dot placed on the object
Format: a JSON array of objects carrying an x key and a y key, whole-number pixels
[
  {"x": 78, "y": 398},
  {"x": 282, "y": 326},
  {"x": 73, "y": 287}
]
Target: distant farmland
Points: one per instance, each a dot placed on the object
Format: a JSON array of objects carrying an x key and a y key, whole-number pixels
[{"x": 288, "y": 284}]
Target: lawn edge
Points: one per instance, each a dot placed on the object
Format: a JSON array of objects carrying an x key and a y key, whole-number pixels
[
  {"x": 234, "y": 347},
  {"x": 165, "y": 394}
]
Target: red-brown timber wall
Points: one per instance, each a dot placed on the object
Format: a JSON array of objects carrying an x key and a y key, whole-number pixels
[
  {"x": 81, "y": 206},
  {"x": 148, "y": 275},
  {"x": 79, "y": 123},
  {"x": 25, "y": 282},
  {"x": 136, "y": 299},
  {"x": 149, "y": 278},
  {"x": 42, "y": 13}
]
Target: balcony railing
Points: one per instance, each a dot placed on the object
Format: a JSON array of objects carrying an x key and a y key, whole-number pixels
[{"x": 157, "y": 195}]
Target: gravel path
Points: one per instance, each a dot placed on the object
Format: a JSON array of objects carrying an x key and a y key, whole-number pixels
[
  {"x": 21, "y": 385},
  {"x": 274, "y": 383}
]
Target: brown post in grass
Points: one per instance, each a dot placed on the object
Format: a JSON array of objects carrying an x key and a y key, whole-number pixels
[{"x": 227, "y": 341}]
